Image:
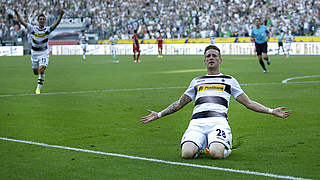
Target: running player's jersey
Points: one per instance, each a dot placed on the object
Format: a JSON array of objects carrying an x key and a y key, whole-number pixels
[
  {"x": 212, "y": 37},
  {"x": 289, "y": 38},
  {"x": 280, "y": 37},
  {"x": 135, "y": 41},
  {"x": 160, "y": 40},
  {"x": 114, "y": 40},
  {"x": 39, "y": 39},
  {"x": 83, "y": 38},
  {"x": 260, "y": 33},
  {"x": 212, "y": 95}
]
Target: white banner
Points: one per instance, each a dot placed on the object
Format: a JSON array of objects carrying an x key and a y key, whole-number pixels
[
  {"x": 297, "y": 48},
  {"x": 11, "y": 50}
]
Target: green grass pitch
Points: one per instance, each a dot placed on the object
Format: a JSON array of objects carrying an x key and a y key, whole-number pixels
[{"x": 97, "y": 106}]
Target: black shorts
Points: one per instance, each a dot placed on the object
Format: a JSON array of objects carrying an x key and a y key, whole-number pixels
[
  {"x": 280, "y": 44},
  {"x": 261, "y": 48}
]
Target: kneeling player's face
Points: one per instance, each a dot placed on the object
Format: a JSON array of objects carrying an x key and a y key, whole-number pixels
[{"x": 212, "y": 58}]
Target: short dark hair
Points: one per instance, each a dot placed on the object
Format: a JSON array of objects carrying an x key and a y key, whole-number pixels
[
  {"x": 41, "y": 15},
  {"x": 212, "y": 47}
]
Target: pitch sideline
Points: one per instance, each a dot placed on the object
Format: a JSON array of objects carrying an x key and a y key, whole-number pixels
[{"x": 155, "y": 160}]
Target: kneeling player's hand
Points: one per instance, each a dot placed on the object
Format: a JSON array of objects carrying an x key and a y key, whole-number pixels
[
  {"x": 152, "y": 116},
  {"x": 280, "y": 112}
]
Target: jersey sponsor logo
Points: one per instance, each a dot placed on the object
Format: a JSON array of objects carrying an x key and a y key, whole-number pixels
[
  {"x": 216, "y": 87},
  {"x": 40, "y": 35}
]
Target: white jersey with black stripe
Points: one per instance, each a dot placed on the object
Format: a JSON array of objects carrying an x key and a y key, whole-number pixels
[
  {"x": 114, "y": 40},
  {"x": 39, "y": 39},
  {"x": 289, "y": 38},
  {"x": 212, "y": 95},
  {"x": 83, "y": 38}
]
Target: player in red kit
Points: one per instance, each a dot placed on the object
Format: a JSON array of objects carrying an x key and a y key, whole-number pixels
[
  {"x": 136, "y": 47},
  {"x": 160, "y": 41}
]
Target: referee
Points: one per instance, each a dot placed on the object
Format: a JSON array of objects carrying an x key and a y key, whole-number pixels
[{"x": 260, "y": 35}]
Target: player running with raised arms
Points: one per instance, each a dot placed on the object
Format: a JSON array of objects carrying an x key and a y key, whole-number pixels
[{"x": 39, "y": 41}]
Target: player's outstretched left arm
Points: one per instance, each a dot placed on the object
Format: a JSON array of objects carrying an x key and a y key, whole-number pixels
[
  {"x": 255, "y": 106},
  {"x": 53, "y": 27}
]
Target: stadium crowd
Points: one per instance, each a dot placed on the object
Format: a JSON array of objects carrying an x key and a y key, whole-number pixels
[{"x": 174, "y": 18}]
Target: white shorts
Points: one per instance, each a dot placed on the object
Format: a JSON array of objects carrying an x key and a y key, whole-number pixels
[
  {"x": 287, "y": 46},
  {"x": 205, "y": 131},
  {"x": 84, "y": 47},
  {"x": 113, "y": 49},
  {"x": 39, "y": 60}
]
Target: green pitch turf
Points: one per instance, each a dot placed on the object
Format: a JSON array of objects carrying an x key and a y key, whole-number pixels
[{"x": 97, "y": 106}]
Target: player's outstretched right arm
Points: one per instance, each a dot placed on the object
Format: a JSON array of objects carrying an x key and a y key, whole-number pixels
[
  {"x": 174, "y": 107},
  {"x": 19, "y": 18}
]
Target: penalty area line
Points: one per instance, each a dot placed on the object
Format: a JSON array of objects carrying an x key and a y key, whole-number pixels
[{"x": 153, "y": 160}]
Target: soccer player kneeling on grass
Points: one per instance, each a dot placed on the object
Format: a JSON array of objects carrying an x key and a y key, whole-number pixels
[
  {"x": 209, "y": 123},
  {"x": 39, "y": 49}
]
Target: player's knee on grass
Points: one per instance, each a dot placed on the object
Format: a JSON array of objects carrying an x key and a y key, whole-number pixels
[
  {"x": 189, "y": 150},
  {"x": 217, "y": 151}
]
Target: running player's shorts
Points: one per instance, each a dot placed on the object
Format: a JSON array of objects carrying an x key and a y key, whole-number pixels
[
  {"x": 204, "y": 131},
  {"x": 40, "y": 59},
  {"x": 137, "y": 49},
  {"x": 262, "y": 48},
  {"x": 287, "y": 46},
  {"x": 84, "y": 47},
  {"x": 113, "y": 49}
]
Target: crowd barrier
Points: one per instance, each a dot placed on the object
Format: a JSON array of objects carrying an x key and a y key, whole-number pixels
[
  {"x": 217, "y": 40},
  {"x": 297, "y": 48},
  {"x": 11, "y": 50}
]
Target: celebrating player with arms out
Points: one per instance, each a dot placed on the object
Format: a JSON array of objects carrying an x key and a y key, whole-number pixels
[
  {"x": 209, "y": 123},
  {"x": 160, "y": 42},
  {"x": 136, "y": 47},
  {"x": 39, "y": 49}
]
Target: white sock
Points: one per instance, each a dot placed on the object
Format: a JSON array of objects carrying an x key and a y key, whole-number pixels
[{"x": 40, "y": 81}]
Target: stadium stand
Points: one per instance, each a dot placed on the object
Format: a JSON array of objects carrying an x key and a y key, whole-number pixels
[{"x": 176, "y": 19}]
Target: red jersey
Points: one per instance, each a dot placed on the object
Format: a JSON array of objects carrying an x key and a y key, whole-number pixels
[
  {"x": 136, "y": 47},
  {"x": 135, "y": 41},
  {"x": 160, "y": 40}
]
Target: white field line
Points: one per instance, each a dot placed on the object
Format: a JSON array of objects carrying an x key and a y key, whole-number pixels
[
  {"x": 143, "y": 89},
  {"x": 154, "y": 160},
  {"x": 302, "y": 77}
]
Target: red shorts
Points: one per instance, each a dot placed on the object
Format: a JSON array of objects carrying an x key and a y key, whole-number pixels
[
  {"x": 159, "y": 46},
  {"x": 136, "y": 49}
]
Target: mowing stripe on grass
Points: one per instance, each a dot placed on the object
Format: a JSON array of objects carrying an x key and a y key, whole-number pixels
[
  {"x": 143, "y": 89},
  {"x": 153, "y": 160}
]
